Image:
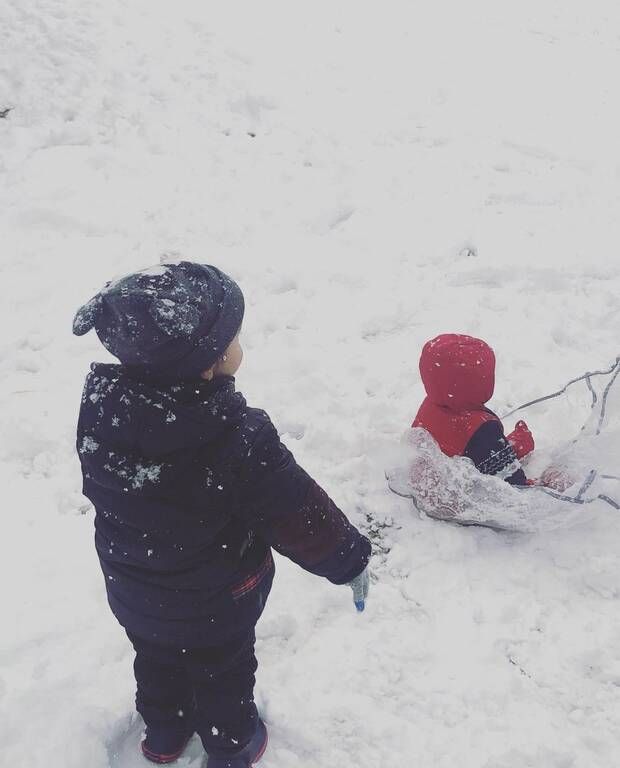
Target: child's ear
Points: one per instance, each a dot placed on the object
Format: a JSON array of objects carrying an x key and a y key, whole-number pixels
[{"x": 207, "y": 375}]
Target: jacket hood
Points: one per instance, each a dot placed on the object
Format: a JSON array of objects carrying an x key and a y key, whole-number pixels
[
  {"x": 458, "y": 371},
  {"x": 140, "y": 426}
]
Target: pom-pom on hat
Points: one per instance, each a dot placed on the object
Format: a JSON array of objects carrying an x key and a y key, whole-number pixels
[{"x": 171, "y": 320}]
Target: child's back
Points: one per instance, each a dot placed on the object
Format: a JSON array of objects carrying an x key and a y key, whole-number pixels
[{"x": 191, "y": 487}]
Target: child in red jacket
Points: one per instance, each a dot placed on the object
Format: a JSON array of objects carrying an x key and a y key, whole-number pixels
[{"x": 458, "y": 373}]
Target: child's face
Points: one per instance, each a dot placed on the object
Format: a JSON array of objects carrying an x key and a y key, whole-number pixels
[{"x": 229, "y": 363}]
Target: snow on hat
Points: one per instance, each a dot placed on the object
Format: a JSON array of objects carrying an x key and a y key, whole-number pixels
[{"x": 171, "y": 320}]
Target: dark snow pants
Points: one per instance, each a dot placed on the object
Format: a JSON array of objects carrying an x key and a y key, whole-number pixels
[{"x": 206, "y": 690}]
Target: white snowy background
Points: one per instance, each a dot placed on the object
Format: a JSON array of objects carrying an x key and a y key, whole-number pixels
[{"x": 372, "y": 174}]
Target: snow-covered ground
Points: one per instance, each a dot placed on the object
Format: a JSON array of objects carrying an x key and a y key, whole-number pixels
[{"x": 372, "y": 174}]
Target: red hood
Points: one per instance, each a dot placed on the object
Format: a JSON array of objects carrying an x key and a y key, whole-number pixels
[{"x": 458, "y": 371}]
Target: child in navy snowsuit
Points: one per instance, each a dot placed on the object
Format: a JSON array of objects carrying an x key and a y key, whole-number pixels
[
  {"x": 192, "y": 488},
  {"x": 458, "y": 373}
]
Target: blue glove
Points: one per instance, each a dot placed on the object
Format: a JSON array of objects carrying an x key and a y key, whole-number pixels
[{"x": 360, "y": 586}]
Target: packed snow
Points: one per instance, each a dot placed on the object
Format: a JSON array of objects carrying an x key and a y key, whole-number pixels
[{"x": 372, "y": 175}]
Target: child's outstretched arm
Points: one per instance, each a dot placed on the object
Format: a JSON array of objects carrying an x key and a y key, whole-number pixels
[
  {"x": 496, "y": 454},
  {"x": 287, "y": 508},
  {"x": 493, "y": 454}
]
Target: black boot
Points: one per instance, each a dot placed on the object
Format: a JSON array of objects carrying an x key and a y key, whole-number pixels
[{"x": 247, "y": 756}]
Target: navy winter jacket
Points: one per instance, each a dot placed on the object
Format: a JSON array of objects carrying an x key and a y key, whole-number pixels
[{"x": 191, "y": 488}]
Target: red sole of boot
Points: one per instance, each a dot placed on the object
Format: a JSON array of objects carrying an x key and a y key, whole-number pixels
[
  {"x": 153, "y": 757},
  {"x": 261, "y": 751}
]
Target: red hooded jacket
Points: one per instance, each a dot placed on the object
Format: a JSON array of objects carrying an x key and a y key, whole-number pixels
[{"x": 458, "y": 373}]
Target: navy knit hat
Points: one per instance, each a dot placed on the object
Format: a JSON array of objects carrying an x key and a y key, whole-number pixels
[{"x": 173, "y": 320}]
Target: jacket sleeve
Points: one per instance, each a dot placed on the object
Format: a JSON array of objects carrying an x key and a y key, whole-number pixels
[
  {"x": 492, "y": 454},
  {"x": 284, "y": 505}
]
